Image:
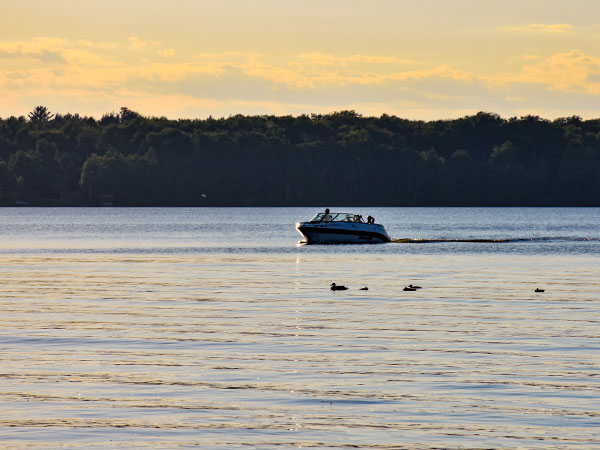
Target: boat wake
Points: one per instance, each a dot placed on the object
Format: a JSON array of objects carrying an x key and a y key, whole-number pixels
[{"x": 493, "y": 241}]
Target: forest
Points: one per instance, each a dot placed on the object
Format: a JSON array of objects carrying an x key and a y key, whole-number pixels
[{"x": 342, "y": 158}]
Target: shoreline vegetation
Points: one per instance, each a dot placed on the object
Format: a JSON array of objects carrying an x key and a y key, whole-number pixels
[{"x": 126, "y": 159}]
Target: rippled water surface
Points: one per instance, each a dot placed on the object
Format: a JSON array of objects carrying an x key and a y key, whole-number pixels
[{"x": 183, "y": 328}]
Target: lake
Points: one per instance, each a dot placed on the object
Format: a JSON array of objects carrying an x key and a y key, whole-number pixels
[{"x": 173, "y": 328}]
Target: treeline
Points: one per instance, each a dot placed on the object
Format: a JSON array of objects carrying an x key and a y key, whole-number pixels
[{"x": 335, "y": 159}]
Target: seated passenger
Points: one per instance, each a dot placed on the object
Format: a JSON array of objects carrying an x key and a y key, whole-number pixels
[{"x": 327, "y": 217}]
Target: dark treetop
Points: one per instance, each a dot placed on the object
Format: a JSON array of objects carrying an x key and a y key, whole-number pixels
[{"x": 340, "y": 158}]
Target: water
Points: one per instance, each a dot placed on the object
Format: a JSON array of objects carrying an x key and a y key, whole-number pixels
[{"x": 178, "y": 328}]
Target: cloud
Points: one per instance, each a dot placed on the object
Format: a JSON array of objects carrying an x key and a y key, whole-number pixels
[
  {"x": 167, "y": 52},
  {"x": 514, "y": 98},
  {"x": 99, "y": 67},
  {"x": 329, "y": 60},
  {"x": 555, "y": 28},
  {"x": 567, "y": 72},
  {"x": 594, "y": 77},
  {"x": 99, "y": 45},
  {"x": 96, "y": 77},
  {"x": 136, "y": 43},
  {"x": 443, "y": 71},
  {"x": 45, "y": 56},
  {"x": 47, "y": 51}
]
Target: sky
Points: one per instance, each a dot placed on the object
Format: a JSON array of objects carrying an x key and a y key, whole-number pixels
[{"x": 425, "y": 59}]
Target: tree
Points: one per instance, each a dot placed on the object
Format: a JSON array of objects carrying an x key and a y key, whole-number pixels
[
  {"x": 505, "y": 154},
  {"x": 4, "y": 176},
  {"x": 40, "y": 114},
  {"x": 127, "y": 114},
  {"x": 337, "y": 158}
]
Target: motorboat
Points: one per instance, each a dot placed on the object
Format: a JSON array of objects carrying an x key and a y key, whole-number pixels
[{"x": 342, "y": 228}]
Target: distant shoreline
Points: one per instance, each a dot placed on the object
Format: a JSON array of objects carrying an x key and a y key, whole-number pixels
[{"x": 341, "y": 158}]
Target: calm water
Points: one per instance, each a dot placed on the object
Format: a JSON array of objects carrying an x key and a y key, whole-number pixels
[{"x": 184, "y": 328}]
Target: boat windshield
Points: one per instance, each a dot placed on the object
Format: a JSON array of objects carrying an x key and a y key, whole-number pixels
[{"x": 337, "y": 217}]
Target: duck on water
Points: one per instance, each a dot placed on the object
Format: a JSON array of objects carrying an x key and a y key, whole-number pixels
[{"x": 342, "y": 228}]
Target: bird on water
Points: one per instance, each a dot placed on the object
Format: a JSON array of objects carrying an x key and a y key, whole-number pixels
[
  {"x": 335, "y": 287},
  {"x": 539, "y": 290}
]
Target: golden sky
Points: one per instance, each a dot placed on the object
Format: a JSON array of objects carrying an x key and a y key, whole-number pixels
[{"x": 426, "y": 59}]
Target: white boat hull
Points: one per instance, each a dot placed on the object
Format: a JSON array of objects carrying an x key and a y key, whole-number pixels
[{"x": 342, "y": 233}]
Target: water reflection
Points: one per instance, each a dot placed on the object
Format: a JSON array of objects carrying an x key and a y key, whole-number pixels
[{"x": 226, "y": 349}]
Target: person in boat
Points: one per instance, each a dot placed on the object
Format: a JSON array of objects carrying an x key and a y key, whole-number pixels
[
  {"x": 357, "y": 218},
  {"x": 370, "y": 220},
  {"x": 327, "y": 217}
]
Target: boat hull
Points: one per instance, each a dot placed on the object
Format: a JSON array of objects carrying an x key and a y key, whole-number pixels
[{"x": 337, "y": 233}]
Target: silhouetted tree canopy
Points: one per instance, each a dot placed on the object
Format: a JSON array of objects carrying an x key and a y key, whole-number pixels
[
  {"x": 341, "y": 158},
  {"x": 40, "y": 114}
]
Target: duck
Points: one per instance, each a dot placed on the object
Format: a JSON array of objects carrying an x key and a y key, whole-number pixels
[
  {"x": 364, "y": 288},
  {"x": 335, "y": 287},
  {"x": 409, "y": 289},
  {"x": 539, "y": 290}
]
